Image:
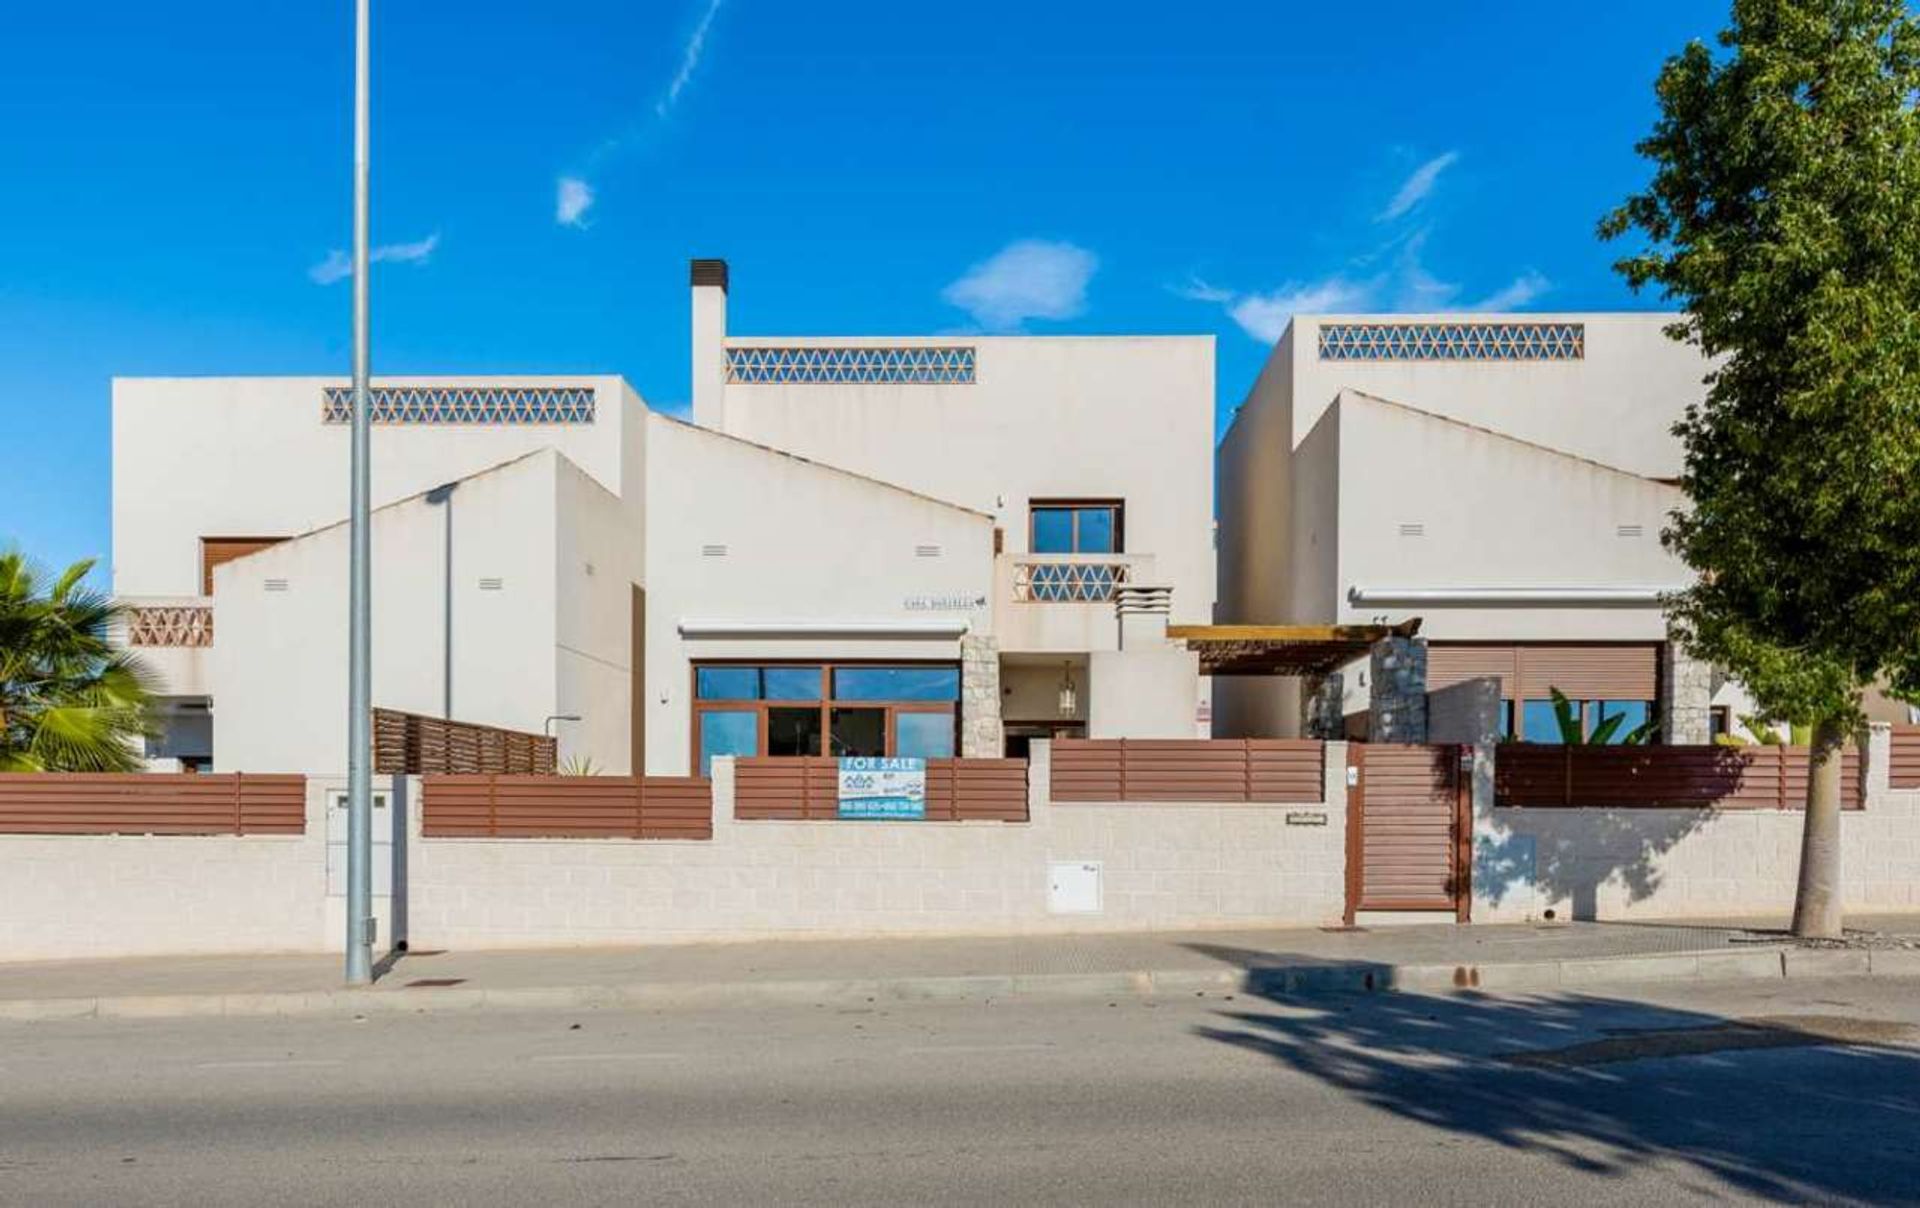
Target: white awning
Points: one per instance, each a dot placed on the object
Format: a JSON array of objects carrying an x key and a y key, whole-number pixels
[
  {"x": 1631, "y": 596},
  {"x": 929, "y": 627}
]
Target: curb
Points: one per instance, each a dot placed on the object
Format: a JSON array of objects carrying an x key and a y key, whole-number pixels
[{"x": 1303, "y": 979}]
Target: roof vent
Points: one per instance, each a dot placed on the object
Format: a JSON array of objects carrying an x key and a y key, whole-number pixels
[
  {"x": 713, "y": 551},
  {"x": 1628, "y": 530},
  {"x": 926, "y": 551},
  {"x": 1413, "y": 530},
  {"x": 490, "y": 583},
  {"x": 275, "y": 584},
  {"x": 710, "y": 272}
]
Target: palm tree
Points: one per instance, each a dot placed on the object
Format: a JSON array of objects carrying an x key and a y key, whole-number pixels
[{"x": 69, "y": 701}]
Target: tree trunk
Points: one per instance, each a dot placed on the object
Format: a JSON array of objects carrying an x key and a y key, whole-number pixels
[{"x": 1816, "y": 906}]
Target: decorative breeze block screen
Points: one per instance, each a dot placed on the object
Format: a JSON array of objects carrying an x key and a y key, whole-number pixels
[
  {"x": 1453, "y": 341},
  {"x": 466, "y": 404},
  {"x": 935, "y": 366}
]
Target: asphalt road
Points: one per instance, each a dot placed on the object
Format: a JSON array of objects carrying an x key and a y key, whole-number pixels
[{"x": 1382, "y": 1100}]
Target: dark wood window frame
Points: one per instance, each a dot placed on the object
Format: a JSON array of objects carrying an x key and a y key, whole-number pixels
[
  {"x": 1073, "y": 507},
  {"x": 826, "y": 703}
]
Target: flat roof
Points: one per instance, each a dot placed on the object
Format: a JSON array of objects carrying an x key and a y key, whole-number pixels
[{"x": 1283, "y": 649}]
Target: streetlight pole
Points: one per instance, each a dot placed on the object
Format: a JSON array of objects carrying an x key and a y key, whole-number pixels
[{"x": 360, "y": 574}]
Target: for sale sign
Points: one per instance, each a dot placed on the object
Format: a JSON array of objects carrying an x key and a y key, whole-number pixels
[{"x": 872, "y": 787}]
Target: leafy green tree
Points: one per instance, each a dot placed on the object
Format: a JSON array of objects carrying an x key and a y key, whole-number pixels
[
  {"x": 1784, "y": 218},
  {"x": 69, "y": 701}
]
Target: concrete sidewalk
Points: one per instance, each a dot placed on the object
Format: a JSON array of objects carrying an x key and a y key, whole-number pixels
[{"x": 837, "y": 972}]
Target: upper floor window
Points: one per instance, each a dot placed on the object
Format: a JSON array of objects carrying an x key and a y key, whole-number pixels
[{"x": 1077, "y": 526}]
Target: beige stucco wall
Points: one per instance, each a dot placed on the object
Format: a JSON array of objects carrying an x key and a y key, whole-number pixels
[
  {"x": 1493, "y": 512},
  {"x": 1163, "y": 866},
  {"x": 804, "y": 543},
  {"x": 1127, "y": 417},
  {"x": 251, "y": 457},
  {"x": 279, "y": 659},
  {"x": 1616, "y": 405}
]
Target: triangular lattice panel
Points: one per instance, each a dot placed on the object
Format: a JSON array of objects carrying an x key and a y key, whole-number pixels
[
  {"x": 1453, "y": 341},
  {"x": 815, "y": 365},
  {"x": 466, "y": 404}
]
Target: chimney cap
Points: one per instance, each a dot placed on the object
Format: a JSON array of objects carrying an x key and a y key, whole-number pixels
[{"x": 710, "y": 272}]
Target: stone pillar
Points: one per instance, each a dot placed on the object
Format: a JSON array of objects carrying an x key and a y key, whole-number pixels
[
  {"x": 1397, "y": 708},
  {"x": 981, "y": 736},
  {"x": 1686, "y": 697},
  {"x": 1323, "y": 706}
]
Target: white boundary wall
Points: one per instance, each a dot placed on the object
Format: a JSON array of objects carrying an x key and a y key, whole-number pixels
[
  {"x": 1672, "y": 864},
  {"x": 1162, "y": 866},
  {"x": 70, "y": 896}
]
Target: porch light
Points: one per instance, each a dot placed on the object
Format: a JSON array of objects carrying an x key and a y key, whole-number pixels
[{"x": 1069, "y": 697}]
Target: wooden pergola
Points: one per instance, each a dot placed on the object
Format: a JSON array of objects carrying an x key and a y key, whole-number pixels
[{"x": 1299, "y": 650}]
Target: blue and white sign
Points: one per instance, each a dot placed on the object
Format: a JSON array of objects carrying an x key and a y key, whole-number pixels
[{"x": 883, "y": 788}]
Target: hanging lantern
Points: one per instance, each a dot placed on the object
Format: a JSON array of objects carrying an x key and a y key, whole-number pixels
[{"x": 1069, "y": 696}]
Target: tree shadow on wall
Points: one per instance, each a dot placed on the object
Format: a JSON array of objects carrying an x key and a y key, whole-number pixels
[
  {"x": 1602, "y": 1086},
  {"x": 1631, "y": 806}
]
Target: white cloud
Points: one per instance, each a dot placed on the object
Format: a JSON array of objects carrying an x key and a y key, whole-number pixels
[
  {"x": 1418, "y": 186},
  {"x": 1265, "y": 316},
  {"x": 576, "y": 194},
  {"x": 1027, "y": 279},
  {"x": 338, "y": 265},
  {"x": 572, "y": 196},
  {"x": 1416, "y": 289},
  {"x": 1196, "y": 290},
  {"x": 689, "y": 59},
  {"x": 1516, "y": 293}
]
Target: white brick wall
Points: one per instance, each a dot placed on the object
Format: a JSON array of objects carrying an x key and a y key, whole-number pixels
[
  {"x": 1163, "y": 866},
  {"x": 68, "y": 896},
  {"x": 1668, "y": 864}
]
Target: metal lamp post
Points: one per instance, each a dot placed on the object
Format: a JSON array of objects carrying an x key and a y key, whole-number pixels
[{"x": 359, "y": 608}]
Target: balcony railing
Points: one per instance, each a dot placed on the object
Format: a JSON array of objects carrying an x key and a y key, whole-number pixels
[
  {"x": 177, "y": 625},
  {"x": 1069, "y": 578}
]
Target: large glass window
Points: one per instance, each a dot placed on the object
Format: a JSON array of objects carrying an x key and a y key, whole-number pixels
[
  {"x": 727, "y": 732},
  {"x": 928, "y": 735},
  {"x": 896, "y": 683},
  {"x": 822, "y": 709},
  {"x": 1076, "y": 527}
]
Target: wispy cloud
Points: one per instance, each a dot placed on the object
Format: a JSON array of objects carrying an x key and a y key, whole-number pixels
[
  {"x": 574, "y": 191},
  {"x": 1196, "y": 290},
  {"x": 1517, "y": 293},
  {"x": 1265, "y": 316},
  {"x": 572, "y": 196},
  {"x": 1027, "y": 279},
  {"x": 338, "y": 265},
  {"x": 1418, "y": 186},
  {"x": 1389, "y": 274},
  {"x": 689, "y": 59}
]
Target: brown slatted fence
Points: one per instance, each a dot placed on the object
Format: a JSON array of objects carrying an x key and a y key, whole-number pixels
[
  {"x": 1242, "y": 771},
  {"x": 773, "y": 788},
  {"x": 1409, "y": 828},
  {"x": 1663, "y": 777},
  {"x": 413, "y": 745},
  {"x": 153, "y": 804},
  {"x": 567, "y": 807},
  {"x": 1904, "y": 772}
]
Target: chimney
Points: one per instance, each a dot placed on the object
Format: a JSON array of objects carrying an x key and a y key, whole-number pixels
[
  {"x": 1143, "y": 613},
  {"x": 709, "y": 343}
]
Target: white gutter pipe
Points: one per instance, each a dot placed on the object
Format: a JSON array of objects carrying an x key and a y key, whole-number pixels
[
  {"x": 930, "y": 628},
  {"x": 1639, "y": 596}
]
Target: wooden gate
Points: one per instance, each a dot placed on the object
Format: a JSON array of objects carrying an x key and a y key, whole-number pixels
[{"x": 1409, "y": 828}]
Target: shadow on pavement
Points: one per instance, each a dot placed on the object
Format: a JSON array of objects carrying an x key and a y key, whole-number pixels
[{"x": 1603, "y": 1086}]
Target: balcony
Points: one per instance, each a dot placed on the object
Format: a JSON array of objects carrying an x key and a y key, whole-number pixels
[
  {"x": 1062, "y": 602},
  {"x": 171, "y": 635}
]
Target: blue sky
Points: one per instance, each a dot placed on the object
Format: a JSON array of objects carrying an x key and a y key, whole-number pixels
[{"x": 179, "y": 182}]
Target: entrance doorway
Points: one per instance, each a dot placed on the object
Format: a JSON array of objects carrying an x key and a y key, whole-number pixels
[{"x": 1409, "y": 829}]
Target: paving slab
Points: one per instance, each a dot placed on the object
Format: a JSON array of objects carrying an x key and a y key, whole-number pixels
[{"x": 1510, "y": 957}]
